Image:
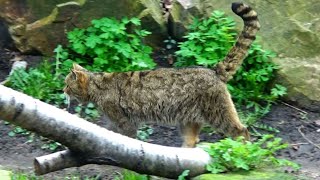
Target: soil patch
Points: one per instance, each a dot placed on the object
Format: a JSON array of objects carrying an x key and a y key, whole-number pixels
[{"x": 296, "y": 128}]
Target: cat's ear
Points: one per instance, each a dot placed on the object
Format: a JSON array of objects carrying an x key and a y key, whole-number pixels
[
  {"x": 77, "y": 67},
  {"x": 73, "y": 74},
  {"x": 79, "y": 76}
]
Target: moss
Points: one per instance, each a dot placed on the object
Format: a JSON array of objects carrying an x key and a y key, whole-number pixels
[{"x": 251, "y": 175}]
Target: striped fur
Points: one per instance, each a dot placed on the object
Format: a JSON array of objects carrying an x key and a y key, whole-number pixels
[
  {"x": 188, "y": 97},
  {"x": 228, "y": 67}
]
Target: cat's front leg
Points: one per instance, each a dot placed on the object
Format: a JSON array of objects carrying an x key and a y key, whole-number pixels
[
  {"x": 190, "y": 134},
  {"x": 122, "y": 126}
]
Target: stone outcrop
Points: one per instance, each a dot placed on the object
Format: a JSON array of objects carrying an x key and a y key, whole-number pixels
[
  {"x": 38, "y": 26},
  {"x": 301, "y": 76}
]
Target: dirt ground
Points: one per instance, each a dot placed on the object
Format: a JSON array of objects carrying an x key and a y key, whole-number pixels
[{"x": 299, "y": 128}]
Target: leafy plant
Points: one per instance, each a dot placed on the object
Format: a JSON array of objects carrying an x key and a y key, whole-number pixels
[
  {"x": 251, "y": 83},
  {"x": 208, "y": 42},
  {"x": 18, "y": 130},
  {"x": 183, "y": 175},
  {"x": 108, "y": 45},
  {"x": 41, "y": 83},
  {"x": 88, "y": 112},
  {"x": 51, "y": 145},
  {"x": 144, "y": 132},
  {"x": 235, "y": 155}
]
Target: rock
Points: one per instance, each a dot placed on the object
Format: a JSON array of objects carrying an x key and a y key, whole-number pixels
[
  {"x": 301, "y": 76},
  {"x": 181, "y": 16},
  {"x": 38, "y": 26}
]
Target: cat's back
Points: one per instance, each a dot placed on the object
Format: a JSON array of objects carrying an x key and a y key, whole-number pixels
[
  {"x": 173, "y": 76},
  {"x": 172, "y": 81}
]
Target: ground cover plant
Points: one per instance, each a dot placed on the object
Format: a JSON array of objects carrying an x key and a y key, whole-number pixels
[
  {"x": 235, "y": 155},
  {"x": 108, "y": 45},
  {"x": 43, "y": 82}
]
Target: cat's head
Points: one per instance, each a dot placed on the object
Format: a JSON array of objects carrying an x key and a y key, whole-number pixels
[{"x": 77, "y": 82}]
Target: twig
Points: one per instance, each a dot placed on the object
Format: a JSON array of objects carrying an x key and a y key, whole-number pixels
[
  {"x": 293, "y": 107},
  {"x": 304, "y": 136},
  {"x": 295, "y": 144},
  {"x": 256, "y": 131}
]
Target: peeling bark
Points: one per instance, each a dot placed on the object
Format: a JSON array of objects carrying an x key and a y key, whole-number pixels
[{"x": 89, "y": 143}]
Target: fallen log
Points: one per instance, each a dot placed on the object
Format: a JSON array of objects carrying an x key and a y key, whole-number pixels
[{"x": 89, "y": 143}]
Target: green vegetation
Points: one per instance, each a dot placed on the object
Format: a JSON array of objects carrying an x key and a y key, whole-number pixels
[
  {"x": 208, "y": 42},
  {"x": 183, "y": 175},
  {"x": 50, "y": 144},
  {"x": 88, "y": 112},
  {"x": 108, "y": 45},
  {"x": 144, "y": 132},
  {"x": 130, "y": 175},
  {"x": 18, "y": 130},
  {"x": 43, "y": 83},
  {"x": 23, "y": 176},
  {"x": 235, "y": 155}
]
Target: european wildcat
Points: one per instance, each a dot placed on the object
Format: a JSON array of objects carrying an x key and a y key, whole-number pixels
[{"x": 187, "y": 96}]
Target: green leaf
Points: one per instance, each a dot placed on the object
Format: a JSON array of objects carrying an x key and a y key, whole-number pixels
[
  {"x": 79, "y": 48},
  {"x": 183, "y": 175},
  {"x": 92, "y": 41},
  {"x": 78, "y": 109},
  {"x": 90, "y": 105},
  {"x": 12, "y": 134},
  {"x": 135, "y": 21}
]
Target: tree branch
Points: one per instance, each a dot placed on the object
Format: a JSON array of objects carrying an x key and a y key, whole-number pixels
[{"x": 85, "y": 138}]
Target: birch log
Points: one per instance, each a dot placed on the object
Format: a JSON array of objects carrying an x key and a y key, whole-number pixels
[{"x": 87, "y": 139}]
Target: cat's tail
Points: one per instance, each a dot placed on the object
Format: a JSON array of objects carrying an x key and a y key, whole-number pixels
[{"x": 228, "y": 67}]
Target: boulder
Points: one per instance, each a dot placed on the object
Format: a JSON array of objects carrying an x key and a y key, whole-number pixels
[
  {"x": 301, "y": 76},
  {"x": 39, "y": 26},
  {"x": 181, "y": 16}
]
